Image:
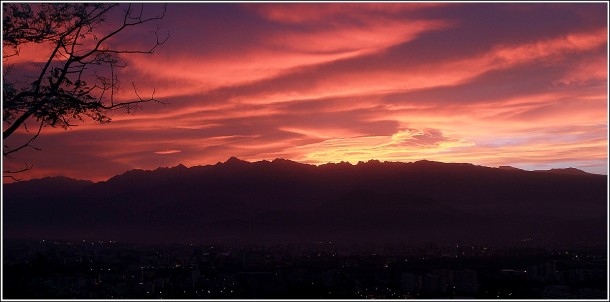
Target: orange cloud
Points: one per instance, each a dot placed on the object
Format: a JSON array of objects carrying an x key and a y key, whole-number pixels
[
  {"x": 337, "y": 82},
  {"x": 167, "y": 152}
]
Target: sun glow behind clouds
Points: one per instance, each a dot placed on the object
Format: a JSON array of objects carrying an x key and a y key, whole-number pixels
[
  {"x": 405, "y": 145},
  {"x": 484, "y": 84}
]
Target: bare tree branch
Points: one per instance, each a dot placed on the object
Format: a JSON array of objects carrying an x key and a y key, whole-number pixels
[
  {"x": 7, "y": 173},
  {"x": 27, "y": 144},
  {"x": 72, "y": 83}
]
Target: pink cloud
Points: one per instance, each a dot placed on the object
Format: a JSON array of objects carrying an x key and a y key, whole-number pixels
[
  {"x": 315, "y": 12},
  {"x": 335, "y": 82}
]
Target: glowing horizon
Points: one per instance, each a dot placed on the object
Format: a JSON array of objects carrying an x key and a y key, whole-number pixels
[{"x": 500, "y": 84}]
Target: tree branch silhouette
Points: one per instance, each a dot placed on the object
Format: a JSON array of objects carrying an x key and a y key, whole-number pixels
[{"x": 79, "y": 78}]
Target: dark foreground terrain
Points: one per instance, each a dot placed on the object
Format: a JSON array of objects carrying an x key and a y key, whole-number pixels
[
  {"x": 105, "y": 270},
  {"x": 282, "y": 229},
  {"x": 238, "y": 202}
]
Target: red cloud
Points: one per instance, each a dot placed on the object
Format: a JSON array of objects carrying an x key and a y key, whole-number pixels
[{"x": 334, "y": 82}]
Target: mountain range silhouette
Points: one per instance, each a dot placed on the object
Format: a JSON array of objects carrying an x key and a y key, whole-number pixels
[{"x": 284, "y": 201}]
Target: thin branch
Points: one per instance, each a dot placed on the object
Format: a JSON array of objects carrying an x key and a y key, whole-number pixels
[
  {"x": 126, "y": 24},
  {"x": 111, "y": 84},
  {"x": 27, "y": 167},
  {"x": 58, "y": 94},
  {"x": 27, "y": 144}
]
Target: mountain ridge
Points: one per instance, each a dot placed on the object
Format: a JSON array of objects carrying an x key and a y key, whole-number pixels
[
  {"x": 282, "y": 201},
  {"x": 234, "y": 161}
]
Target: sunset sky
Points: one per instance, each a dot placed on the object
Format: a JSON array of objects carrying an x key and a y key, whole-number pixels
[{"x": 524, "y": 85}]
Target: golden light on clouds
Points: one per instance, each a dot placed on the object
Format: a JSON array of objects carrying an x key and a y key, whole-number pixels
[{"x": 316, "y": 83}]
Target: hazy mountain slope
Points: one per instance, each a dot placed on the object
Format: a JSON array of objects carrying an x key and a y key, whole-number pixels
[{"x": 238, "y": 201}]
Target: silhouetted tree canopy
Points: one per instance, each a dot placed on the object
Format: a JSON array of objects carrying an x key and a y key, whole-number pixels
[{"x": 79, "y": 77}]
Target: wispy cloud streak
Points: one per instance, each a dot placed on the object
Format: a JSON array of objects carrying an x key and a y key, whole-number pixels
[{"x": 491, "y": 84}]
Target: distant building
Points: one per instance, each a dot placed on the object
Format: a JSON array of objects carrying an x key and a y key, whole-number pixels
[
  {"x": 546, "y": 272},
  {"x": 195, "y": 276},
  {"x": 557, "y": 292},
  {"x": 466, "y": 281},
  {"x": 587, "y": 293},
  {"x": 431, "y": 283},
  {"x": 411, "y": 283},
  {"x": 445, "y": 279},
  {"x": 575, "y": 276},
  {"x": 550, "y": 272}
]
